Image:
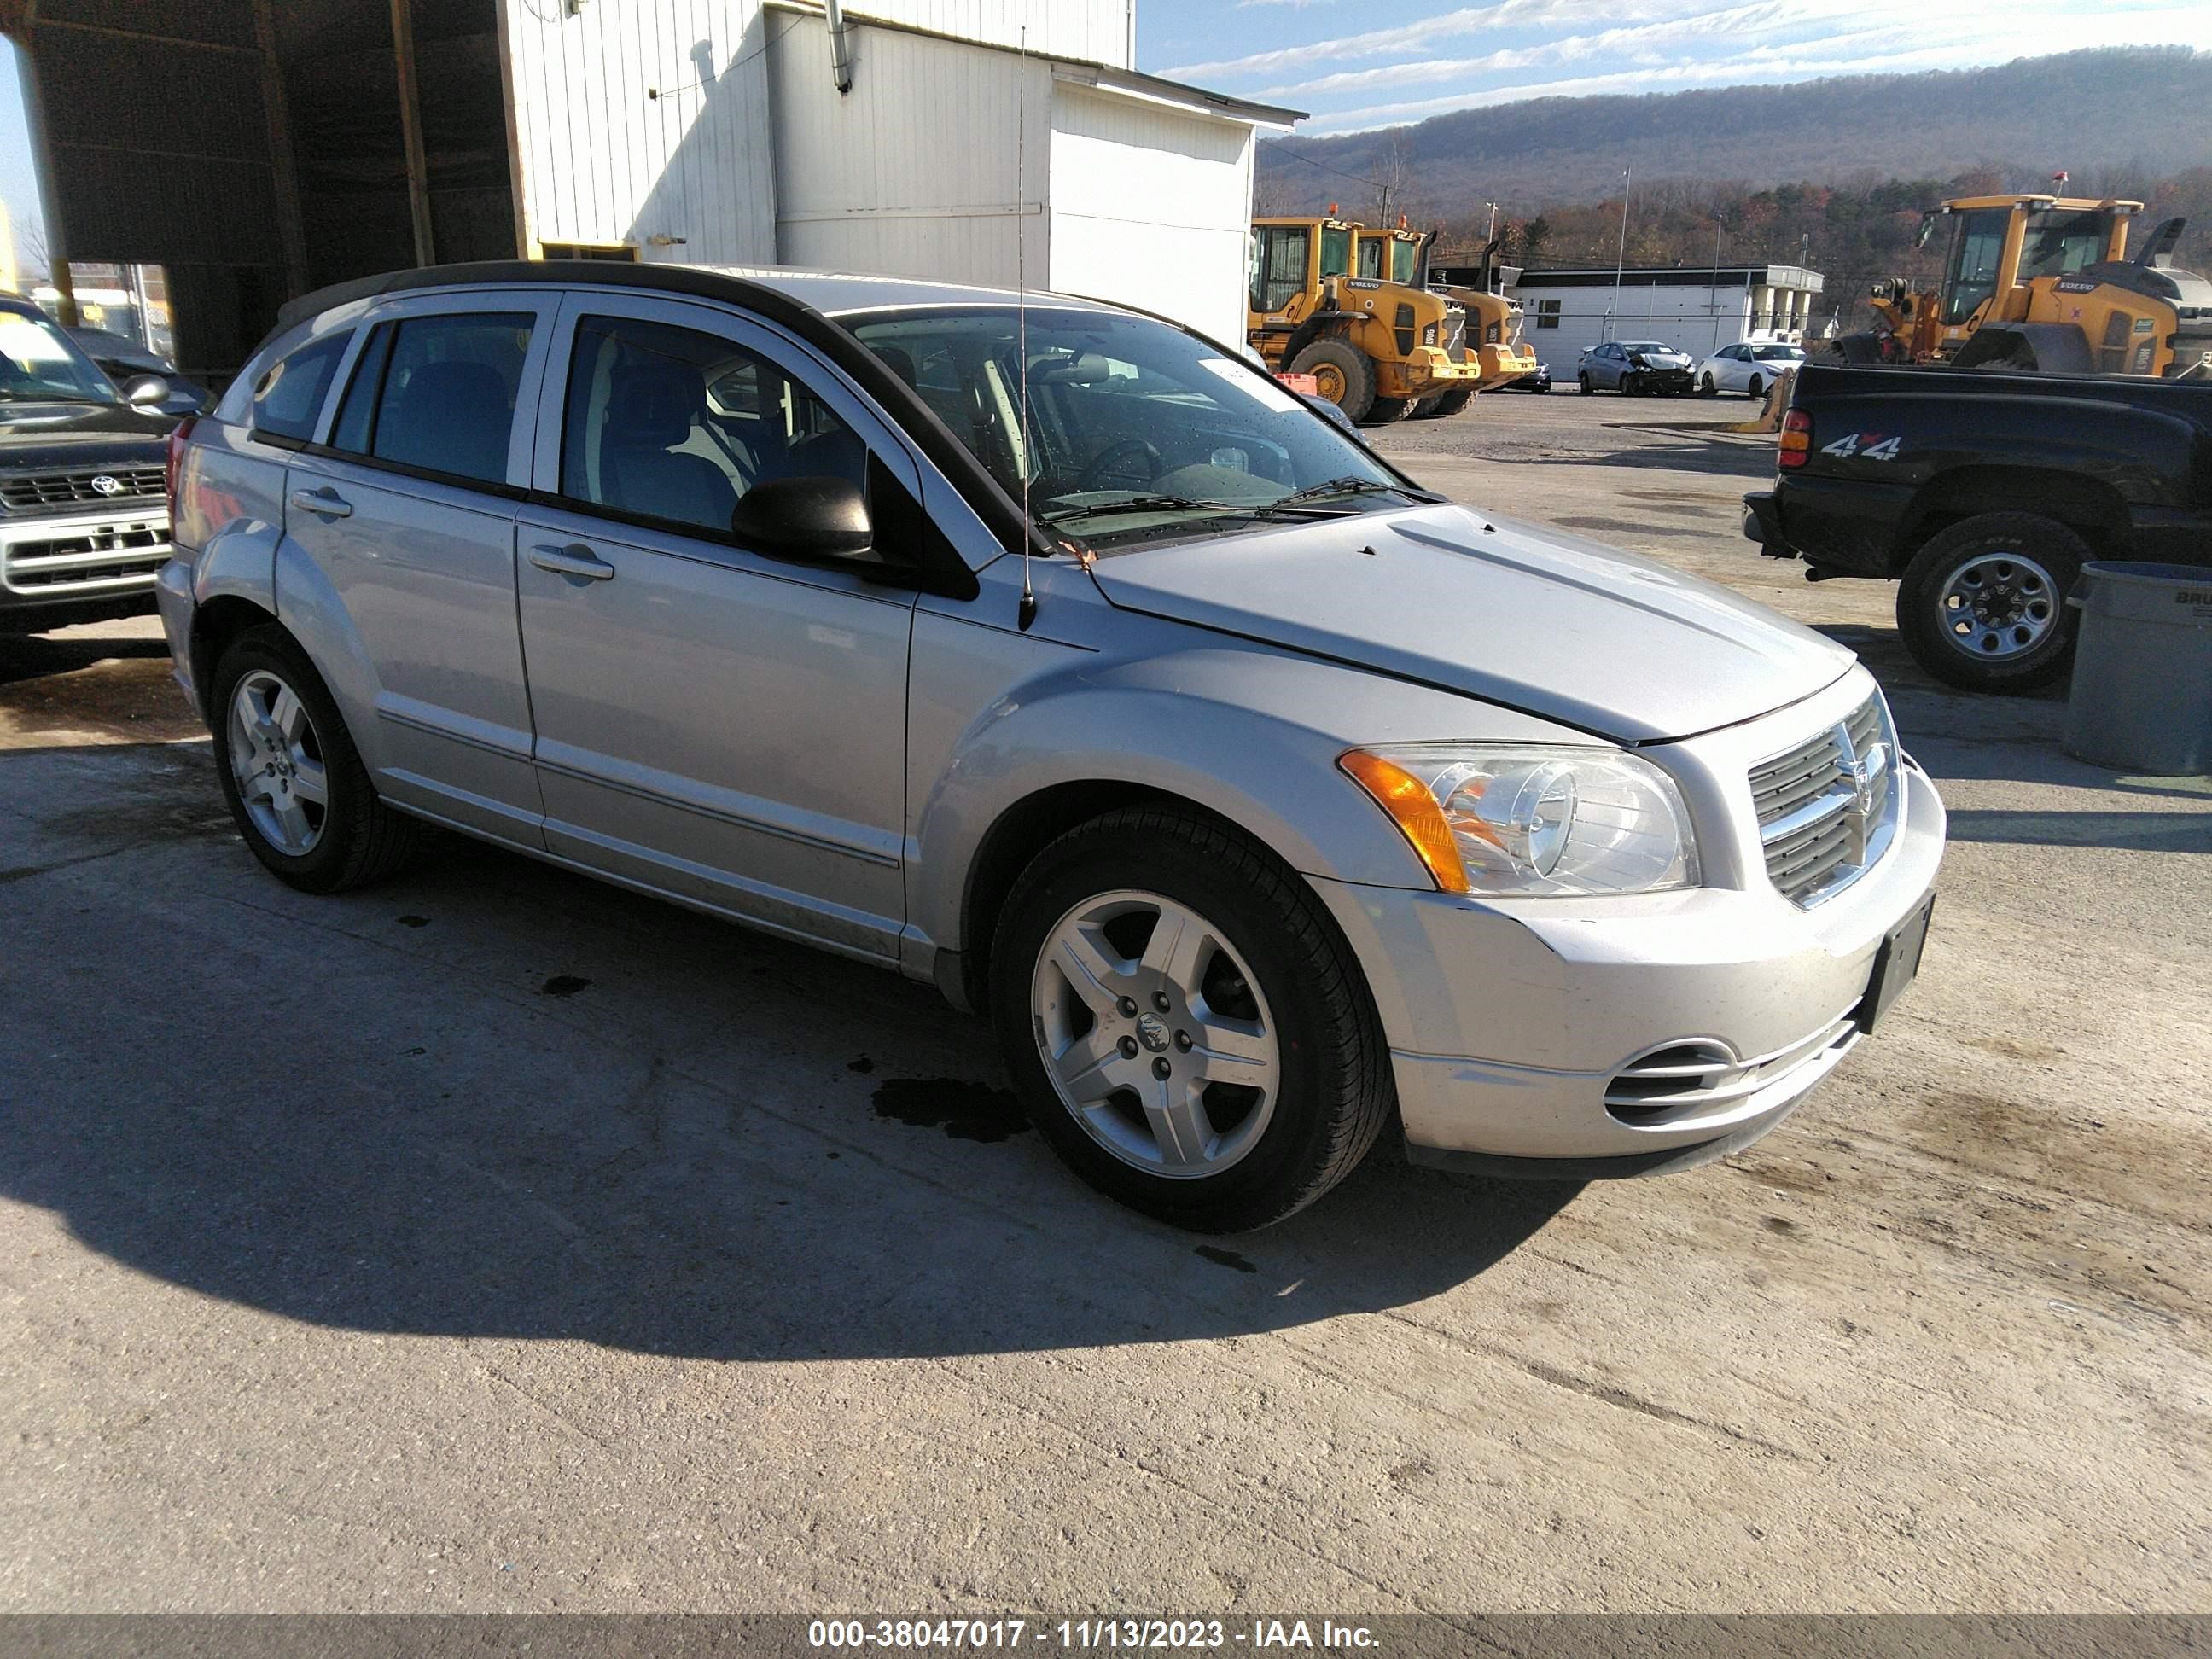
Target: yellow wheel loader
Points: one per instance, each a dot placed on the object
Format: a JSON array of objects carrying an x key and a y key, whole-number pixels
[
  {"x": 1375, "y": 341},
  {"x": 1493, "y": 322},
  {"x": 2043, "y": 283}
]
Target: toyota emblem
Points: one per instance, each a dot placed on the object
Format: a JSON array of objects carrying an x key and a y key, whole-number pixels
[{"x": 106, "y": 484}]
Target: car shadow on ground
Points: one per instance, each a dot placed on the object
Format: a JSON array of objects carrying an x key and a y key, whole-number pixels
[{"x": 492, "y": 1098}]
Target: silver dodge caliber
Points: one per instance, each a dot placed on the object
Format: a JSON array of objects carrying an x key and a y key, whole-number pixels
[{"x": 1054, "y": 655}]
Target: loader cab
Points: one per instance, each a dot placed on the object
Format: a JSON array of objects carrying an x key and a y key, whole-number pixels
[
  {"x": 1392, "y": 256},
  {"x": 1999, "y": 244}
]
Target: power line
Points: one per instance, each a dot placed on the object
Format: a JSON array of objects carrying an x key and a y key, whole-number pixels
[{"x": 1356, "y": 178}]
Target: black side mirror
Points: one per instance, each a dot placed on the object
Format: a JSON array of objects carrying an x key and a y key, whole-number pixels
[
  {"x": 804, "y": 518},
  {"x": 140, "y": 390}
]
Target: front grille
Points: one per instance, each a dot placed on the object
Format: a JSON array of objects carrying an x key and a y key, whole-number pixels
[
  {"x": 1825, "y": 808},
  {"x": 36, "y": 489},
  {"x": 110, "y": 557}
]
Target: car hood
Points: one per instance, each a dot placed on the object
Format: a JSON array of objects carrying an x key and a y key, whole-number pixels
[
  {"x": 1566, "y": 630},
  {"x": 52, "y": 437},
  {"x": 1663, "y": 359}
]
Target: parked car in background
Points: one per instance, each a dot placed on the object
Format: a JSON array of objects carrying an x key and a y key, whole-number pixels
[
  {"x": 1982, "y": 494},
  {"x": 1749, "y": 367},
  {"x": 84, "y": 522},
  {"x": 124, "y": 360},
  {"x": 1639, "y": 368},
  {"x": 1262, "y": 798},
  {"x": 1540, "y": 380}
]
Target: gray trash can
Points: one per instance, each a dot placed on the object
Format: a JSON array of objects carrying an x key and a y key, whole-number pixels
[{"x": 2143, "y": 669}]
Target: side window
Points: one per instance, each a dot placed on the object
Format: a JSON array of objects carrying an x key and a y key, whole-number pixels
[
  {"x": 290, "y": 394},
  {"x": 1548, "y": 313},
  {"x": 1282, "y": 266},
  {"x": 357, "y": 420},
  {"x": 446, "y": 400},
  {"x": 1370, "y": 256},
  {"x": 675, "y": 425},
  {"x": 1335, "y": 252}
]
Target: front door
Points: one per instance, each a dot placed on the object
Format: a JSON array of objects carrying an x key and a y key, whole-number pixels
[{"x": 711, "y": 722}]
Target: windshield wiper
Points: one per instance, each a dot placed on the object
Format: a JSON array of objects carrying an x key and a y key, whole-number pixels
[
  {"x": 1337, "y": 487},
  {"x": 54, "y": 398},
  {"x": 1150, "y": 503}
]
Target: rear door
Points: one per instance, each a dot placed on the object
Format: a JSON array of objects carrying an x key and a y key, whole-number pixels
[
  {"x": 710, "y": 721},
  {"x": 405, "y": 511}
]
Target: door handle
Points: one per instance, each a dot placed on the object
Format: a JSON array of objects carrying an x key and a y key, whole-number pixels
[
  {"x": 574, "y": 560},
  {"x": 326, "y": 503}
]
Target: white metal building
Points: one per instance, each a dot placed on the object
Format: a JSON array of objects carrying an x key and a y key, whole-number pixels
[
  {"x": 965, "y": 140},
  {"x": 1698, "y": 309},
  {"x": 935, "y": 146}
]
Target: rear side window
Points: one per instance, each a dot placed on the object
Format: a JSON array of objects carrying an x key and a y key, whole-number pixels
[
  {"x": 437, "y": 394},
  {"x": 290, "y": 394}
]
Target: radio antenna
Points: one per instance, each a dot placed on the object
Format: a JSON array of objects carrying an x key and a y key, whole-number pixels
[{"x": 1026, "y": 613}]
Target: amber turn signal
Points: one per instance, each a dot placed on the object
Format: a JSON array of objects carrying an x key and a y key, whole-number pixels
[{"x": 1415, "y": 811}]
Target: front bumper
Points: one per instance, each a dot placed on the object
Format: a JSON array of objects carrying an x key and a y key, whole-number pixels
[
  {"x": 1660, "y": 380},
  {"x": 1502, "y": 364},
  {"x": 1431, "y": 369},
  {"x": 76, "y": 565},
  {"x": 1510, "y": 1021}
]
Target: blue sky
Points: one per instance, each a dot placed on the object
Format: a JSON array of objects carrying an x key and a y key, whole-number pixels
[
  {"x": 18, "y": 189},
  {"x": 1361, "y": 64}
]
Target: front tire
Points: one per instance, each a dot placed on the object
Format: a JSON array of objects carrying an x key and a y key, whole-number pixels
[
  {"x": 1708, "y": 387},
  {"x": 1584, "y": 379},
  {"x": 1346, "y": 376},
  {"x": 1453, "y": 402},
  {"x": 1184, "y": 1023},
  {"x": 1384, "y": 411},
  {"x": 1982, "y": 604},
  {"x": 291, "y": 775},
  {"x": 1756, "y": 389}
]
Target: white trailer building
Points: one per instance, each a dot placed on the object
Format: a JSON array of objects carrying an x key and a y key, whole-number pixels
[
  {"x": 964, "y": 140},
  {"x": 1699, "y": 309}
]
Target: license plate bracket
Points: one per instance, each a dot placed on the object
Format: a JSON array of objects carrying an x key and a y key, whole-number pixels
[{"x": 1896, "y": 964}]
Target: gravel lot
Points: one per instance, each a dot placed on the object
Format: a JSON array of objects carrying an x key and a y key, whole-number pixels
[{"x": 496, "y": 1239}]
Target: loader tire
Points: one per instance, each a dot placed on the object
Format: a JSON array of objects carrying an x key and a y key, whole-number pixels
[
  {"x": 1384, "y": 410},
  {"x": 1345, "y": 375},
  {"x": 1444, "y": 404}
]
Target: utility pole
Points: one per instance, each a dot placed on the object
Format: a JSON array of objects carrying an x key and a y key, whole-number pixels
[
  {"x": 1719, "y": 218},
  {"x": 1621, "y": 255}
]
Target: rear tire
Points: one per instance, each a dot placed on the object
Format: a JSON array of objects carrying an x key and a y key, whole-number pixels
[
  {"x": 1269, "y": 980},
  {"x": 1347, "y": 377},
  {"x": 1385, "y": 410},
  {"x": 1451, "y": 402},
  {"x": 279, "y": 744},
  {"x": 1982, "y": 604}
]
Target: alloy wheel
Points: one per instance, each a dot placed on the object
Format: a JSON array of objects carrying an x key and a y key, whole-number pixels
[
  {"x": 276, "y": 761},
  {"x": 1155, "y": 1035},
  {"x": 1999, "y": 605}
]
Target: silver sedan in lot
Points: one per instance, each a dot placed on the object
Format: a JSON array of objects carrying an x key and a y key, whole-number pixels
[{"x": 1263, "y": 800}]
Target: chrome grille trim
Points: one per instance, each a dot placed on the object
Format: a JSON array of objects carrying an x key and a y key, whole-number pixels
[
  {"x": 1827, "y": 809},
  {"x": 89, "y": 559},
  {"x": 29, "y": 490},
  {"x": 1699, "y": 1073}
]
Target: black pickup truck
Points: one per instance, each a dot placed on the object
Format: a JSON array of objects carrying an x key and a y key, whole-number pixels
[{"x": 1982, "y": 495}]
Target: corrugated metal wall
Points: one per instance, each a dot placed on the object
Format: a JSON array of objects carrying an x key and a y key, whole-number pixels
[
  {"x": 912, "y": 171},
  {"x": 1149, "y": 205},
  {"x": 642, "y": 120},
  {"x": 1095, "y": 31}
]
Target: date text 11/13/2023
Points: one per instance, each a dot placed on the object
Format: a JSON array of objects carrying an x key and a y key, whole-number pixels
[{"x": 1083, "y": 1635}]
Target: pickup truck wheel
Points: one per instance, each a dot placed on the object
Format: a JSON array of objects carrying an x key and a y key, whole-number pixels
[
  {"x": 1184, "y": 1023},
  {"x": 291, "y": 775},
  {"x": 1346, "y": 376},
  {"x": 1982, "y": 604}
]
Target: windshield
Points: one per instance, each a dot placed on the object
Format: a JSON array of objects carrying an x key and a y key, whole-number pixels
[
  {"x": 1136, "y": 429},
  {"x": 1404, "y": 257},
  {"x": 1644, "y": 345},
  {"x": 1770, "y": 351},
  {"x": 40, "y": 364},
  {"x": 2060, "y": 243}
]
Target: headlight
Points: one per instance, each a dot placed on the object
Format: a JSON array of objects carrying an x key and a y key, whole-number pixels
[{"x": 1510, "y": 818}]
